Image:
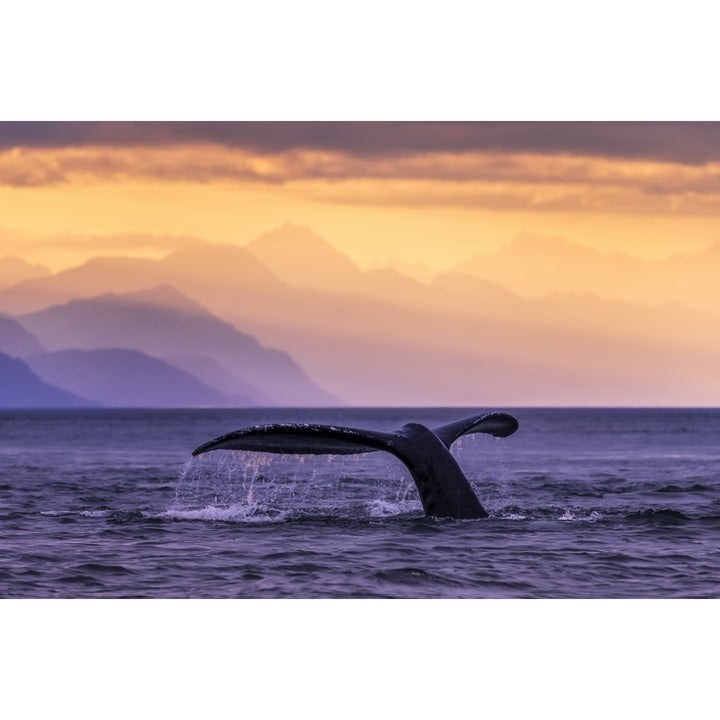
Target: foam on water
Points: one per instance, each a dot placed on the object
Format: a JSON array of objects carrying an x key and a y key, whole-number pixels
[
  {"x": 95, "y": 513},
  {"x": 509, "y": 515},
  {"x": 241, "y": 513},
  {"x": 385, "y": 508}
]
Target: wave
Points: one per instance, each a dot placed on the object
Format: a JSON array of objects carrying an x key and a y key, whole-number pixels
[
  {"x": 664, "y": 515},
  {"x": 97, "y": 568},
  {"x": 695, "y": 487}
]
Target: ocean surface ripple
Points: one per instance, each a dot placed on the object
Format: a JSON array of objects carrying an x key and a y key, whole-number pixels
[{"x": 583, "y": 504}]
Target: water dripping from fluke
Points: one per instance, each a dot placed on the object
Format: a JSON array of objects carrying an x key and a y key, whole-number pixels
[
  {"x": 444, "y": 490},
  {"x": 252, "y": 488}
]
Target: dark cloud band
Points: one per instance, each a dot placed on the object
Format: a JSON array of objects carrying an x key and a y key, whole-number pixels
[{"x": 683, "y": 142}]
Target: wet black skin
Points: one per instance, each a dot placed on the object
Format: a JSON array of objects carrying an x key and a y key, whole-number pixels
[{"x": 444, "y": 490}]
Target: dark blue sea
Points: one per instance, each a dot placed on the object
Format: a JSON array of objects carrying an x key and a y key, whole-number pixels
[{"x": 584, "y": 503}]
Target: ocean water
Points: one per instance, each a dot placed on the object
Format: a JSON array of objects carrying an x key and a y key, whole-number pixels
[{"x": 584, "y": 503}]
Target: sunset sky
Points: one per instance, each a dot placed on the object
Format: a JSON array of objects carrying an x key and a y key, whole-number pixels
[
  {"x": 429, "y": 193},
  {"x": 559, "y": 263}
]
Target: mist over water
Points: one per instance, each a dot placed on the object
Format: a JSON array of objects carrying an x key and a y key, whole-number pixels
[{"x": 582, "y": 503}]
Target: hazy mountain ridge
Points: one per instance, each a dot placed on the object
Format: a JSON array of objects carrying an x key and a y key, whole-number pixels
[
  {"x": 22, "y": 388},
  {"x": 380, "y": 338},
  {"x": 535, "y": 266},
  {"x": 176, "y": 326},
  {"x": 301, "y": 258},
  {"x": 198, "y": 271},
  {"x": 216, "y": 376},
  {"x": 14, "y": 270},
  {"x": 467, "y": 340},
  {"x": 16, "y": 341},
  {"x": 126, "y": 378}
]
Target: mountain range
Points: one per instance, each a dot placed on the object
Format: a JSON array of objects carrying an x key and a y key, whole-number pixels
[
  {"x": 22, "y": 388},
  {"x": 125, "y": 378},
  {"x": 165, "y": 324},
  {"x": 534, "y": 266},
  {"x": 16, "y": 341},
  {"x": 14, "y": 270},
  {"x": 32, "y": 377},
  {"x": 483, "y": 333}
]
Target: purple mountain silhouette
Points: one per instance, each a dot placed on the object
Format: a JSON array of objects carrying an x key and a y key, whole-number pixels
[
  {"x": 16, "y": 341},
  {"x": 165, "y": 323},
  {"x": 22, "y": 388},
  {"x": 126, "y": 378}
]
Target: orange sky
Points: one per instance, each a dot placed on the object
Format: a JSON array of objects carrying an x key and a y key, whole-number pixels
[{"x": 375, "y": 193}]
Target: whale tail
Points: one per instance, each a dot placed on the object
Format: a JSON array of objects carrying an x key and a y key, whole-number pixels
[
  {"x": 495, "y": 423},
  {"x": 300, "y": 439},
  {"x": 444, "y": 489}
]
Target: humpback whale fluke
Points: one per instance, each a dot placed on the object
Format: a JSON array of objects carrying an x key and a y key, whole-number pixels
[{"x": 444, "y": 489}]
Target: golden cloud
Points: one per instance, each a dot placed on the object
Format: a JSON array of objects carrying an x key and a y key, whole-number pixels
[{"x": 487, "y": 180}]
